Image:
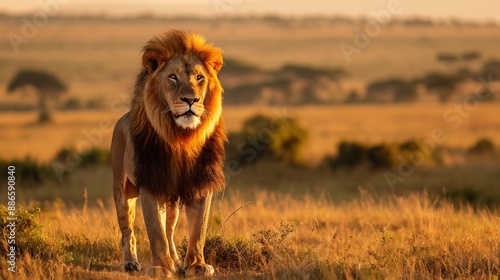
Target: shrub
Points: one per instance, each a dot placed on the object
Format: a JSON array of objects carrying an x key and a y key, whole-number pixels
[
  {"x": 483, "y": 147},
  {"x": 95, "y": 103},
  {"x": 471, "y": 55},
  {"x": 447, "y": 57},
  {"x": 29, "y": 235},
  {"x": 353, "y": 154},
  {"x": 72, "y": 104},
  {"x": 262, "y": 137},
  {"x": 491, "y": 69},
  {"x": 382, "y": 156},
  {"x": 89, "y": 157},
  {"x": 28, "y": 170},
  {"x": 349, "y": 154}
]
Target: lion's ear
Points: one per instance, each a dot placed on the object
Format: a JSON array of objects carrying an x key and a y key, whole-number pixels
[
  {"x": 217, "y": 63},
  {"x": 150, "y": 60}
]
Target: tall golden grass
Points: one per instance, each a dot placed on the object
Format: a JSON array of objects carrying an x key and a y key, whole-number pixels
[{"x": 280, "y": 237}]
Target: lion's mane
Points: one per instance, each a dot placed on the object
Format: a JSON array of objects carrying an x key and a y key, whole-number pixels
[{"x": 172, "y": 162}]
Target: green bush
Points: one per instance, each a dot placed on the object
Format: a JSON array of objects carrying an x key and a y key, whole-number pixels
[
  {"x": 262, "y": 137},
  {"x": 28, "y": 170},
  {"x": 72, "y": 104},
  {"x": 382, "y": 156},
  {"x": 353, "y": 154},
  {"x": 483, "y": 147},
  {"x": 95, "y": 103},
  {"x": 29, "y": 235},
  {"x": 349, "y": 154},
  {"x": 89, "y": 157},
  {"x": 472, "y": 195}
]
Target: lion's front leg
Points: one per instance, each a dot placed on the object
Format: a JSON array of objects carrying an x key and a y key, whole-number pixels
[
  {"x": 154, "y": 218},
  {"x": 171, "y": 225},
  {"x": 197, "y": 213}
]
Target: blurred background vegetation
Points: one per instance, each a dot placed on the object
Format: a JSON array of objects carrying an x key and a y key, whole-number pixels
[{"x": 345, "y": 124}]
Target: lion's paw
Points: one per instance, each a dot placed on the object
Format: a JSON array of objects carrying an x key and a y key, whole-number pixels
[
  {"x": 158, "y": 272},
  {"x": 179, "y": 265},
  {"x": 200, "y": 270},
  {"x": 130, "y": 266}
]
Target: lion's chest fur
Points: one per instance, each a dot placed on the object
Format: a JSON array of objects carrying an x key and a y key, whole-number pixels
[{"x": 171, "y": 174}]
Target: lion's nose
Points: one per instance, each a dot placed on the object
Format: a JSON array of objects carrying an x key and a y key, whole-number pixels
[{"x": 190, "y": 101}]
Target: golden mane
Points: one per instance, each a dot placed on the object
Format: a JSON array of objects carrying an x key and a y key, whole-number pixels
[{"x": 172, "y": 161}]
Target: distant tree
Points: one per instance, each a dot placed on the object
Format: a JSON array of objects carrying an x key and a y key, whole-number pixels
[
  {"x": 46, "y": 85},
  {"x": 471, "y": 56},
  {"x": 95, "y": 103},
  {"x": 466, "y": 73},
  {"x": 72, "y": 104},
  {"x": 353, "y": 97},
  {"x": 313, "y": 78},
  {"x": 444, "y": 84},
  {"x": 236, "y": 67},
  {"x": 393, "y": 89},
  {"x": 492, "y": 68},
  {"x": 281, "y": 81},
  {"x": 447, "y": 58}
]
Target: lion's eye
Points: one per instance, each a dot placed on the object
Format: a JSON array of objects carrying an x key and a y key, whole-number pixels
[
  {"x": 173, "y": 77},
  {"x": 199, "y": 77}
]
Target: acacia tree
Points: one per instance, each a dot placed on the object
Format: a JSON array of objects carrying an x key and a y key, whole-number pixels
[
  {"x": 46, "y": 85},
  {"x": 314, "y": 79},
  {"x": 393, "y": 89},
  {"x": 443, "y": 84}
]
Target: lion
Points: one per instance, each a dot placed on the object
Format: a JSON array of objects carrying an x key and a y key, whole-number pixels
[{"x": 169, "y": 151}]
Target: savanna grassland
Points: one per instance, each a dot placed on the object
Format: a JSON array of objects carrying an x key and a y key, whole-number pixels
[
  {"x": 313, "y": 219},
  {"x": 326, "y": 125},
  {"x": 276, "y": 236},
  {"x": 100, "y": 57}
]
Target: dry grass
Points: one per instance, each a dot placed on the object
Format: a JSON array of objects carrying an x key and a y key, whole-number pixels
[{"x": 399, "y": 238}]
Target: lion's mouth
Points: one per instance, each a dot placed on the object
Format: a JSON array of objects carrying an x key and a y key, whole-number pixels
[{"x": 187, "y": 113}]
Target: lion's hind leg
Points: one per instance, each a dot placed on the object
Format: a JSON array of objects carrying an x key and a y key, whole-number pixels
[{"x": 125, "y": 194}]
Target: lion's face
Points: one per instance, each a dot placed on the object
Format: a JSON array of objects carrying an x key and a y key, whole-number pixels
[
  {"x": 178, "y": 92},
  {"x": 185, "y": 84}
]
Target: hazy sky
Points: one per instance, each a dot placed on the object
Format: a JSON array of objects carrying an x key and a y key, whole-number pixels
[{"x": 442, "y": 9}]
